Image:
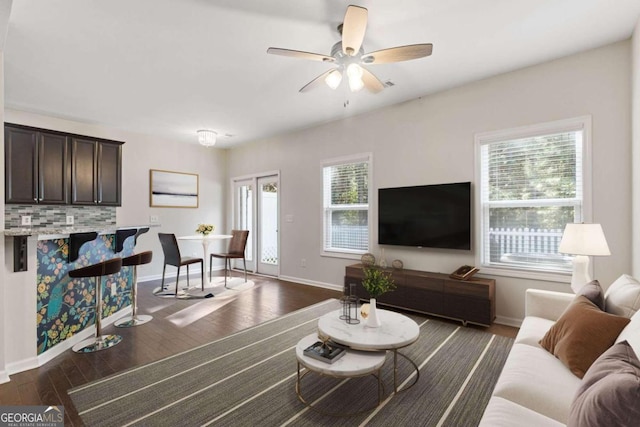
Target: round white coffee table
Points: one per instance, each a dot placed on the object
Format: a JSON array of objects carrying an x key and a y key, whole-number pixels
[
  {"x": 397, "y": 331},
  {"x": 351, "y": 365}
]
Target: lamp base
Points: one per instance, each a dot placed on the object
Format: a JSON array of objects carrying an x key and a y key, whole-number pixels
[{"x": 581, "y": 274}]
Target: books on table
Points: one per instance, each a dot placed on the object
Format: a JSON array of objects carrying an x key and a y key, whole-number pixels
[{"x": 325, "y": 352}]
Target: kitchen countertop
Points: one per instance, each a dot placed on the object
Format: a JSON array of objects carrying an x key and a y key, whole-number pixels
[{"x": 61, "y": 232}]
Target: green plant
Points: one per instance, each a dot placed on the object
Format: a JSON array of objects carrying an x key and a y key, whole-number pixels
[{"x": 376, "y": 282}]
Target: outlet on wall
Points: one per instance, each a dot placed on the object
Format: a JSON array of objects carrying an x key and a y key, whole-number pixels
[
  {"x": 69, "y": 219},
  {"x": 303, "y": 262},
  {"x": 154, "y": 219},
  {"x": 26, "y": 219}
]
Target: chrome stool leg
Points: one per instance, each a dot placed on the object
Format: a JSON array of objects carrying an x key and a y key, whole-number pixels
[
  {"x": 99, "y": 341},
  {"x": 135, "y": 319}
]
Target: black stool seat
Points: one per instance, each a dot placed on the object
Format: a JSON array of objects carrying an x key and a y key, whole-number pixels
[
  {"x": 135, "y": 319},
  {"x": 105, "y": 268},
  {"x": 137, "y": 259}
]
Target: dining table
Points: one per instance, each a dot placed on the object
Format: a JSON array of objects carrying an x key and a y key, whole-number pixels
[{"x": 206, "y": 241}]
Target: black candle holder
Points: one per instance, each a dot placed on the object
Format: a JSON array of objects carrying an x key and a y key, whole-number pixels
[
  {"x": 352, "y": 310},
  {"x": 350, "y": 305}
]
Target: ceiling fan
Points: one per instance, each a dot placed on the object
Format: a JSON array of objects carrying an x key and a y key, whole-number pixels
[{"x": 348, "y": 55}]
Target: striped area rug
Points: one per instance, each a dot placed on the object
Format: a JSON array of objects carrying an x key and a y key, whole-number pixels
[{"x": 249, "y": 379}]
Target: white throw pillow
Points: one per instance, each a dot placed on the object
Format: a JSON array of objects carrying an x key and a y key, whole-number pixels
[
  {"x": 623, "y": 297},
  {"x": 631, "y": 333}
]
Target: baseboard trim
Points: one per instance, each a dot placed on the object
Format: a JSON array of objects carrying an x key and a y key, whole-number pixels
[
  {"x": 312, "y": 283},
  {"x": 508, "y": 321},
  {"x": 173, "y": 275},
  {"x": 4, "y": 378}
]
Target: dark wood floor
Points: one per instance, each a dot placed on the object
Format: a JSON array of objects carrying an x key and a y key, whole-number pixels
[{"x": 177, "y": 325}]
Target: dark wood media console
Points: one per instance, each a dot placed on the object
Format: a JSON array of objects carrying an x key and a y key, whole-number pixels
[{"x": 472, "y": 300}]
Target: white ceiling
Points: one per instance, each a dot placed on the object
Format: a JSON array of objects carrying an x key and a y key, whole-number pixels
[{"x": 170, "y": 67}]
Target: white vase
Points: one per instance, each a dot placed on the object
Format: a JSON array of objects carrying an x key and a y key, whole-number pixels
[
  {"x": 373, "y": 321},
  {"x": 383, "y": 260}
]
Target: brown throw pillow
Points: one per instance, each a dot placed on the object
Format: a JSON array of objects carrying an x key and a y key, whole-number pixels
[
  {"x": 581, "y": 334},
  {"x": 594, "y": 293},
  {"x": 610, "y": 391}
]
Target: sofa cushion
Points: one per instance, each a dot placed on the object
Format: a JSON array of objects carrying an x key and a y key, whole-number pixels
[
  {"x": 623, "y": 296},
  {"x": 610, "y": 392},
  {"x": 504, "y": 413},
  {"x": 533, "y": 378},
  {"x": 532, "y": 330},
  {"x": 594, "y": 293},
  {"x": 582, "y": 334}
]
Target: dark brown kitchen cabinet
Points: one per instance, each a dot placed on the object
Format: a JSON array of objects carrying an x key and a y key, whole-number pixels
[
  {"x": 51, "y": 167},
  {"x": 109, "y": 173},
  {"x": 95, "y": 172},
  {"x": 36, "y": 166}
]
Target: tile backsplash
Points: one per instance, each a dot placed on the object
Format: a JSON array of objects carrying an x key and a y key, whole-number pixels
[{"x": 56, "y": 215}]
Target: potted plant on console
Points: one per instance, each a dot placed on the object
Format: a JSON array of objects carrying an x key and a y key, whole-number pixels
[{"x": 376, "y": 282}]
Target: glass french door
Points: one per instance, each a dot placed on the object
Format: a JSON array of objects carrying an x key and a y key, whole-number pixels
[
  {"x": 256, "y": 209},
  {"x": 267, "y": 233},
  {"x": 244, "y": 213}
]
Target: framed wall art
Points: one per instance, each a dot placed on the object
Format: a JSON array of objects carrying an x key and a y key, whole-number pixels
[{"x": 173, "y": 189}]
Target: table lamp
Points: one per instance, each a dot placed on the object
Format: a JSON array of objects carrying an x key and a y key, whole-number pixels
[{"x": 583, "y": 240}]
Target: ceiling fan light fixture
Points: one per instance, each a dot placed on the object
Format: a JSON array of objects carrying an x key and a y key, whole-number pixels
[
  {"x": 333, "y": 79},
  {"x": 354, "y": 72},
  {"x": 207, "y": 137}
]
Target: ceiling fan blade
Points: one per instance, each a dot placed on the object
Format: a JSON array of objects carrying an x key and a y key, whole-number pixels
[
  {"x": 353, "y": 29},
  {"x": 300, "y": 54},
  {"x": 371, "y": 82},
  {"x": 318, "y": 81},
  {"x": 397, "y": 54}
]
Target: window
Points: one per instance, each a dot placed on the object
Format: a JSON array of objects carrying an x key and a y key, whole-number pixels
[
  {"x": 346, "y": 184},
  {"x": 532, "y": 183}
]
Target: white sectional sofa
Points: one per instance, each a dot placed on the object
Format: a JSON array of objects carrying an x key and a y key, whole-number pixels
[{"x": 535, "y": 388}]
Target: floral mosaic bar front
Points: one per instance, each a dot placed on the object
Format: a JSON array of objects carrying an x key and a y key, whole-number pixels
[{"x": 66, "y": 306}]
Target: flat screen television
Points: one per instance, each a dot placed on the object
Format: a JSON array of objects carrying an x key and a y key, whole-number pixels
[{"x": 430, "y": 216}]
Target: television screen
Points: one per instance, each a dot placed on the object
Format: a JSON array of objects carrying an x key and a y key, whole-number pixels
[{"x": 430, "y": 216}]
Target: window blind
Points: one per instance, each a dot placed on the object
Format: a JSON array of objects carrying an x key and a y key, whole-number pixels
[
  {"x": 530, "y": 189},
  {"x": 346, "y": 206}
]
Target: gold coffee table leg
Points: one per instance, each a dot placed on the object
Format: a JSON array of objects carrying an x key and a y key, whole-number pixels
[
  {"x": 309, "y": 405},
  {"x": 395, "y": 371}
]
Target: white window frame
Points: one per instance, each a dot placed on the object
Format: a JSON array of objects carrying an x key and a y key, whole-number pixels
[
  {"x": 326, "y": 210},
  {"x": 578, "y": 123}
]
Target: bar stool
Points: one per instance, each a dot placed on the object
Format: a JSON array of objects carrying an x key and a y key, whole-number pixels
[
  {"x": 136, "y": 319},
  {"x": 99, "y": 342}
]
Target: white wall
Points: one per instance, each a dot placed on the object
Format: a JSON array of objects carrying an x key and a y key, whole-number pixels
[
  {"x": 635, "y": 109},
  {"x": 4, "y": 294},
  {"x": 5, "y": 11},
  {"x": 430, "y": 140},
  {"x": 139, "y": 154}
]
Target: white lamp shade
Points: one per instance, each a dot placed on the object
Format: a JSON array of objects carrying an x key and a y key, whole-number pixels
[
  {"x": 354, "y": 72},
  {"x": 333, "y": 79},
  {"x": 584, "y": 239},
  {"x": 207, "y": 137}
]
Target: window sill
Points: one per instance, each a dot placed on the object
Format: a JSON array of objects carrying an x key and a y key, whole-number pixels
[
  {"x": 344, "y": 255},
  {"x": 527, "y": 274}
]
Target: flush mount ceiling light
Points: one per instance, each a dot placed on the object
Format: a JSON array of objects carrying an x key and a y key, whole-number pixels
[
  {"x": 207, "y": 137},
  {"x": 348, "y": 56}
]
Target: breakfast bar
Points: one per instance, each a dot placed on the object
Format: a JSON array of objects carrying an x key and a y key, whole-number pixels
[{"x": 57, "y": 308}]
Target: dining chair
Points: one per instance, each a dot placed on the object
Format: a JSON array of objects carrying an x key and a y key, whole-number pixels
[
  {"x": 172, "y": 257},
  {"x": 236, "y": 250}
]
